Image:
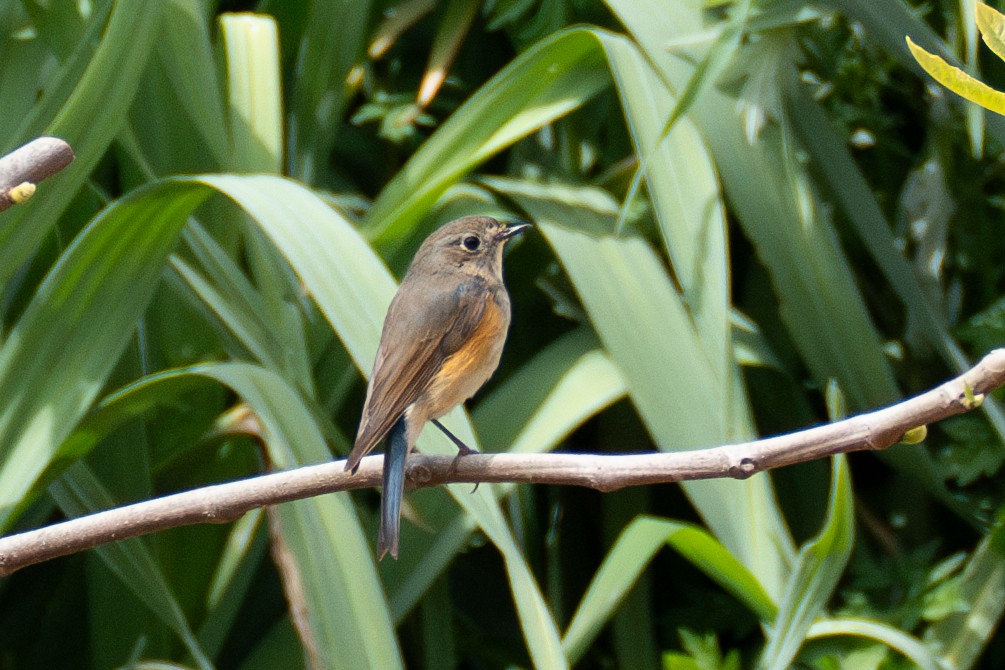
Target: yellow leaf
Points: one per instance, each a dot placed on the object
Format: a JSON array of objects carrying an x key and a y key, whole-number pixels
[
  {"x": 915, "y": 435},
  {"x": 958, "y": 81},
  {"x": 991, "y": 23},
  {"x": 21, "y": 192}
]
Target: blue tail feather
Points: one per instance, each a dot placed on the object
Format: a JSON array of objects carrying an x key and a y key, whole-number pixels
[{"x": 394, "y": 487}]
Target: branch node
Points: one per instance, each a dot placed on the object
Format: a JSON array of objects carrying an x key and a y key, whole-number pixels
[
  {"x": 744, "y": 469},
  {"x": 970, "y": 400},
  {"x": 223, "y": 514},
  {"x": 419, "y": 475}
]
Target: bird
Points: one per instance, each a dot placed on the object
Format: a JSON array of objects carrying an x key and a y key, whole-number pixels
[{"x": 442, "y": 339}]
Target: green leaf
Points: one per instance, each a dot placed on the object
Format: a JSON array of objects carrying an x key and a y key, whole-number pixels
[
  {"x": 682, "y": 183},
  {"x": 89, "y": 120},
  {"x": 533, "y": 410},
  {"x": 251, "y": 46},
  {"x": 186, "y": 53},
  {"x": 908, "y": 645},
  {"x": 714, "y": 62},
  {"x": 634, "y": 295},
  {"x": 229, "y": 297},
  {"x": 266, "y": 327},
  {"x": 821, "y": 563},
  {"x": 176, "y": 121},
  {"x": 121, "y": 407},
  {"x": 233, "y": 579},
  {"x": 332, "y": 44},
  {"x": 626, "y": 291},
  {"x": 352, "y": 289},
  {"x": 630, "y": 555},
  {"x": 542, "y": 84},
  {"x": 89, "y": 302},
  {"x": 60, "y": 85},
  {"x": 961, "y": 638},
  {"x": 29, "y": 66},
  {"x": 78, "y": 493},
  {"x": 974, "y": 115},
  {"x": 350, "y": 626}
]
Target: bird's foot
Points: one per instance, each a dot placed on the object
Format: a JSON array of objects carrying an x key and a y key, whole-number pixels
[{"x": 462, "y": 449}]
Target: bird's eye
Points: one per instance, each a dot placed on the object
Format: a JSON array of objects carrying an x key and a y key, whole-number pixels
[{"x": 471, "y": 243}]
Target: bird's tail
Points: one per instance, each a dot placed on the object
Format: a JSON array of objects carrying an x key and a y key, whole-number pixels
[{"x": 394, "y": 487}]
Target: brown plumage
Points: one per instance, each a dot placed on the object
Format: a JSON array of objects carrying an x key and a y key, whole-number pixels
[{"x": 442, "y": 339}]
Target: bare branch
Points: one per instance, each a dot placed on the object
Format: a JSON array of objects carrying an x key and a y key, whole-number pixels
[
  {"x": 227, "y": 502},
  {"x": 23, "y": 168}
]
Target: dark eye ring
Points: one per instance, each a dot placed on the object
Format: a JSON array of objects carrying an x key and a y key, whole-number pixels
[{"x": 471, "y": 243}]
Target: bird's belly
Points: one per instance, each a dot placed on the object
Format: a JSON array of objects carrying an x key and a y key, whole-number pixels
[{"x": 464, "y": 371}]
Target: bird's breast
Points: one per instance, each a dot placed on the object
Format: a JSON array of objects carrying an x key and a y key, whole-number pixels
[{"x": 464, "y": 371}]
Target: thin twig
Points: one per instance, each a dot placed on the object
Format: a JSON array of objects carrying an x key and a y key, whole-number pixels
[
  {"x": 23, "y": 168},
  {"x": 227, "y": 502}
]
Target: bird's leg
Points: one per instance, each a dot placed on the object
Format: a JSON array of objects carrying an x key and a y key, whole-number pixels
[{"x": 462, "y": 449}]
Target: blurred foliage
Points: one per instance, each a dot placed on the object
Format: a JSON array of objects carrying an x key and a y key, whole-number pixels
[{"x": 745, "y": 211}]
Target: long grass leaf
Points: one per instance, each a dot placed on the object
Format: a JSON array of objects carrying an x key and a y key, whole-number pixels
[
  {"x": 531, "y": 411},
  {"x": 821, "y": 562},
  {"x": 89, "y": 121},
  {"x": 353, "y": 288},
  {"x": 186, "y": 53},
  {"x": 347, "y": 614},
  {"x": 225, "y": 291},
  {"x": 643, "y": 323},
  {"x": 78, "y": 493},
  {"x": 713, "y": 64},
  {"x": 233, "y": 578},
  {"x": 682, "y": 183},
  {"x": 89, "y": 302},
  {"x": 629, "y": 556},
  {"x": 961, "y": 638},
  {"x": 331, "y": 46},
  {"x": 251, "y": 45},
  {"x": 911, "y": 647},
  {"x": 60, "y": 85},
  {"x": 545, "y": 82},
  {"x": 28, "y": 68}
]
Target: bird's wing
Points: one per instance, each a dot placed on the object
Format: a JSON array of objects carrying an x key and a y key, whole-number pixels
[{"x": 425, "y": 330}]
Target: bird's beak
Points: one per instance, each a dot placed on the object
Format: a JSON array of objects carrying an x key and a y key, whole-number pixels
[{"x": 507, "y": 233}]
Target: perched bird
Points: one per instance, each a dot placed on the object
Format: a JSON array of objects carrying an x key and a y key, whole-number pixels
[{"x": 442, "y": 339}]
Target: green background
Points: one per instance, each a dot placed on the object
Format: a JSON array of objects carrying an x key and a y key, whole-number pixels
[{"x": 751, "y": 217}]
